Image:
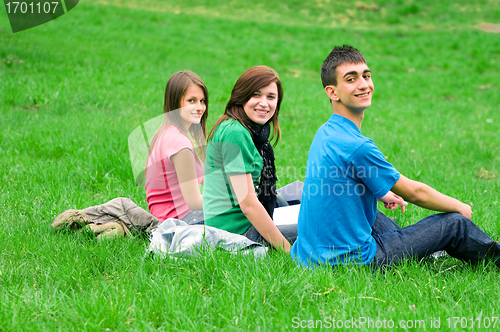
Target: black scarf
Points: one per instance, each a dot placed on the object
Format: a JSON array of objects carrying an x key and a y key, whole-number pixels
[{"x": 267, "y": 187}]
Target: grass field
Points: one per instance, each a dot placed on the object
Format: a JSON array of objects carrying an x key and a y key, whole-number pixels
[{"x": 72, "y": 90}]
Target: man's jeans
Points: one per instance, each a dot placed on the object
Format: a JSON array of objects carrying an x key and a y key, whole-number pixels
[{"x": 459, "y": 236}]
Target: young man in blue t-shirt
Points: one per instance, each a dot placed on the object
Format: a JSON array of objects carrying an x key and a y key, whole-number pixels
[{"x": 346, "y": 175}]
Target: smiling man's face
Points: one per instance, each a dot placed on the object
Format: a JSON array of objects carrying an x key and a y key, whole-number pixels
[{"x": 354, "y": 86}]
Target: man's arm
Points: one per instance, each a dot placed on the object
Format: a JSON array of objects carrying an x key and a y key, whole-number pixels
[{"x": 424, "y": 196}]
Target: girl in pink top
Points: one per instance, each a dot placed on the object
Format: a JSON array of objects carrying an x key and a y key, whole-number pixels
[{"x": 174, "y": 168}]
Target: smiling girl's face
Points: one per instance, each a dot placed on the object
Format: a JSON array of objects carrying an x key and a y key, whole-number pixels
[
  {"x": 261, "y": 106},
  {"x": 192, "y": 106}
]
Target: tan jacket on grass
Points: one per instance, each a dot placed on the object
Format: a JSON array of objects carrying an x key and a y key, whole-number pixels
[{"x": 116, "y": 218}]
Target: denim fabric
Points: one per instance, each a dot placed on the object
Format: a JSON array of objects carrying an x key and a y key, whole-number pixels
[
  {"x": 288, "y": 231},
  {"x": 194, "y": 218},
  {"x": 383, "y": 224},
  {"x": 459, "y": 236}
]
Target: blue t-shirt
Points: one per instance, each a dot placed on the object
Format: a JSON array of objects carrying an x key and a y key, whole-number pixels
[{"x": 346, "y": 174}]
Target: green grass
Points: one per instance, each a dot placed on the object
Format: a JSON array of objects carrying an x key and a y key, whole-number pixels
[{"x": 73, "y": 89}]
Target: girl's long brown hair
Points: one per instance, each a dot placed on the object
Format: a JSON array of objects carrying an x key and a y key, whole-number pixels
[
  {"x": 177, "y": 86},
  {"x": 251, "y": 80}
]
